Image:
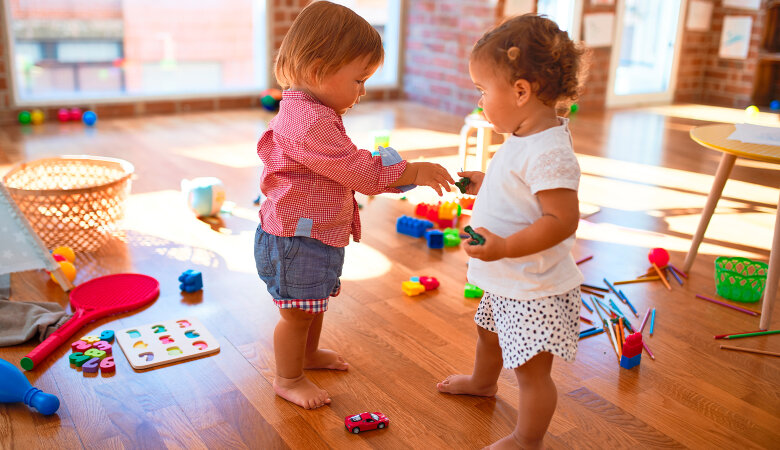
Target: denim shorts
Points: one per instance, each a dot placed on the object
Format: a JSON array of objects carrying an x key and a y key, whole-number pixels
[{"x": 298, "y": 268}]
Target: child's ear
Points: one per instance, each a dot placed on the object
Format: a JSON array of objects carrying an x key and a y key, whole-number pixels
[{"x": 523, "y": 91}]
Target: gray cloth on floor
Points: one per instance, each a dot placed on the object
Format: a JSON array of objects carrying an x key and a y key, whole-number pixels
[{"x": 21, "y": 321}]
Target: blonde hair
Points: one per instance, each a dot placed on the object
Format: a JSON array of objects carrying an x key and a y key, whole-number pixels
[
  {"x": 533, "y": 48},
  {"x": 324, "y": 38}
]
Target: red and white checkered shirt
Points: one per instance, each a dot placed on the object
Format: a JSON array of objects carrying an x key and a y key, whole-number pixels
[{"x": 312, "y": 170}]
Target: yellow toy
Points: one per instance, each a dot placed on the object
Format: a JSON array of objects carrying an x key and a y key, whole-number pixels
[
  {"x": 412, "y": 288},
  {"x": 68, "y": 269},
  {"x": 65, "y": 252},
  {"x": 65, "y": 257}
]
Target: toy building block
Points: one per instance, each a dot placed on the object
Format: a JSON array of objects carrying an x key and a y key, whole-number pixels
[
  {"x": 462, "y": 183},
  {"x": 472, "y": 291},
  {"x": 422, "y": 209},
  {"x": 435, "y": 238},
  {"x": 630, "y": 363},
  {"x": 448, "y": 210},
  {"x": 476, "y": 238},
  {"x": 467, "y": 202},
  {"x": 417, "y": 279},
  {"x": 191, "y": 281},
  {"x": 451, "y": 237},
  {"x": 411, "y": 226},
  {"x": 412, "y": 288},
  {"x": 633, "y": 345},
  {"x": 429, "y": 283}
]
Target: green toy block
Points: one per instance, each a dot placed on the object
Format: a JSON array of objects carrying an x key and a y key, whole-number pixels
[
  {"x": 451, "y": 237},
  {"x": 472, "y": 291}
]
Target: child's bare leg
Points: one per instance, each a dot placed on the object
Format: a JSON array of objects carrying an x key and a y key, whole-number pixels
[
  {"x": 538, "y": 398},
  {"x": 320, "y": 358},
  {"x": 487, "y": 367},
  {"x": 290, "y": 338}
]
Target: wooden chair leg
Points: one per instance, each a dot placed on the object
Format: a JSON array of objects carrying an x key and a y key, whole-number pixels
[
  {"x": 724, "y": 169},
  {"x": 773, "y": 276},
  {"x": 463, "y": 153},
  {"x": 484, "y": 138}
]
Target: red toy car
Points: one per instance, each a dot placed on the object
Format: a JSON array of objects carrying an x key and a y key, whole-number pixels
[{"x": 365, "y": 421}]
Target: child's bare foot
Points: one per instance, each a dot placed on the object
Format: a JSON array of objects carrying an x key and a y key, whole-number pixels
[
  {"x": 325, "y": 359},
  {"x": 512, "y": 442},
  {"x": 464, "y": 384},
  {"x": 301, "y": 391}
]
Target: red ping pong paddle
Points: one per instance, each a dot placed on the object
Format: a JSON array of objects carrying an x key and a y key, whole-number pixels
[{"x": 96, "y": 298}]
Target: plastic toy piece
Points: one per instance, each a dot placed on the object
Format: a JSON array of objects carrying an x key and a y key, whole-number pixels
[
  {"x": 430, "y": 283},
  {"x": 467, "y": 202},
  {"x": 366, "y": 421},
  {"x": 90, "y": 339},
  {"x": 448, "y": 211},
  {"x": 630, "y": 363},
  {"x": 411, "y": 226},
  {"x": 191, "y": 281},
  {"x": 412, "y": 288},
  {"x": 472, "y": 291},
  {"x": 476, "y": 238},
  {"x": 80, "y": 346},
  {"x": 16, "y": 388},
  {"x": 74, "y": 356},
  {"x": 95, "y": 353},
  {"x": 108, "y": 336},
  {"x": 107, "y": 365},
  {"x": 435, "y": 239},
  {"x": 632, "y": 351},
  {"x": 417, "y": 279},
  {"x": 451, "y": 237},
  {"x": 79, "y": 361},
  {"x": 91, "y": 366},
  {"x": 740, "y": 279},
  {"x": 103, "y": 346},
  {"x": 462, "y": 184}
]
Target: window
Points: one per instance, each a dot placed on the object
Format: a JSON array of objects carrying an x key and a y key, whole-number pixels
[
  {"x": 385, "y": 17},
  {"x": 566, "y": 13},
  {"x": 85, "y": 50}
]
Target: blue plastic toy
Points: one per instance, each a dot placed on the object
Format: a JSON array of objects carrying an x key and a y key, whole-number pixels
[
  {"x": 630, "y": 363},
  {"x": 89, "y": 118},
  {"x": 191, "y": 281},
  {"x": 774, "y": 105},
  {"x": 412, "y": 227},
  {"x": 16, "y": 388},
  {"x": 435, "y": 238},
  {"x": 204, "y": 195},
  {"x": 108, "y": 336}
]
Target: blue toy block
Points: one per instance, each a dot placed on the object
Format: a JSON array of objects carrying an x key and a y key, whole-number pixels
[
  {"x": 107, "y": 335},
  {"x": 191, "y": 281},
  {"x": 630, "y": 363},
  {"x": 435, "y": 239},
  {"x": 411, "y": 226},
  {"x": 415, "y": 279}
]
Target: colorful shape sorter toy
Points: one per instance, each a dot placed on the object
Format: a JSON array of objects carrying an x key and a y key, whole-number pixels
[
  {"x": 411, "y": 226},
  {"x": 166, "y": 342},
  {"x": 632, "y": 351},
  {"x": 93, "y": 354}
]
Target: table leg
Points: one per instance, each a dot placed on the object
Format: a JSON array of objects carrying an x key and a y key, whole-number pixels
[
  {"x": 724, "y": 169},
  {"x": 484, "y": 139},
  {"x": 770, "y": 290},
  {"x": 463, "y": 153}
]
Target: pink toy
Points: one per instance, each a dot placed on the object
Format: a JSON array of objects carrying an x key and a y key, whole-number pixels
[
  {"x": 429, "y": 283},
  {"x": 107, "y": 365},
  {"x": 75, "y": 114},
  {"x": 659, "y": 257},
  {"x": 16, "y": 388},
  {"x": 63, "y": 115},
  {"x": 366, "y": 421}
]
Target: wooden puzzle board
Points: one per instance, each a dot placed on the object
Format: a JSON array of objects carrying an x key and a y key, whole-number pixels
[{"x": 165, "y": 342}]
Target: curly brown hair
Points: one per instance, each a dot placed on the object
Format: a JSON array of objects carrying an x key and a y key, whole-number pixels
[{"x": 533, "y": 48}]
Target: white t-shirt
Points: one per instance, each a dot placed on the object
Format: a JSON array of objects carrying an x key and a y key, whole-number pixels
[{"x": 507, "y": 203}]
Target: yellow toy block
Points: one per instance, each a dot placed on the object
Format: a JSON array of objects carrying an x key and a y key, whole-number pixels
[
  {"x": 447, "y": 210},
  {"x": 412, "y": 288}
]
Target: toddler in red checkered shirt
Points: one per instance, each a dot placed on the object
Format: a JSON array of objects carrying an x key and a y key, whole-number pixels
[{"x": 311, "y": 171}]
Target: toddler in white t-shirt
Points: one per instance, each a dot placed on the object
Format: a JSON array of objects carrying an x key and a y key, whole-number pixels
[{"x": 527, "y": 210}]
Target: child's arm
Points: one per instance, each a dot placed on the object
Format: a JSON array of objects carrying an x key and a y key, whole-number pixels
[
  {"x": 560, "y": 218},
  {"x": 425, "y": 174}
]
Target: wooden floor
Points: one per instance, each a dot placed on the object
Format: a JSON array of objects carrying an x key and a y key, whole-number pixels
[{"x": 640, "y": 169}]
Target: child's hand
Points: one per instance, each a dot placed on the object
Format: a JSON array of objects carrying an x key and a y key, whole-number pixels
[
  {"x": 433, "y": 175},
  {"x": 475, "y": 179},
  {"x": 493, "y": 249}
]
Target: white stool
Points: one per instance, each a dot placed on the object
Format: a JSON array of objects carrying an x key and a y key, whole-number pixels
[{"x": 484, "y": 130}]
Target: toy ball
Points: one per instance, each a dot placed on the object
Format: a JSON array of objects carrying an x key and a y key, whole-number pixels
[
  {"x": 270, "y": 99},
  {"x": 66, "y": 252},
  {"x": 68, "y": 269},
  {"x": 63, "y": 115},
  {"x": 659, "y": 257},
  {"x": 573, "y": 108},
  {"x": 774, "y": 105},
  {"x": 25, "y": 117},
  {"x": 205, "y": 196},
  {"x": 752, "y": 110},
  {"x": 36, "y": 117},
  {"x": 89, "y": 118},
  {"x": 75, "y": 114}
]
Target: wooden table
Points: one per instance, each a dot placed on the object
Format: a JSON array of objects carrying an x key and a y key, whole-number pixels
[{"x": 716, "y": 138}]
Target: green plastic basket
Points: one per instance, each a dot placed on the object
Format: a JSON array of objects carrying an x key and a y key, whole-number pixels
[{"x": 740, "y": 279}]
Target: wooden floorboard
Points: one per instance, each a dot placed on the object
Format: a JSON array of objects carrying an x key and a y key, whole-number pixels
[{"x": 640, "y": 168}]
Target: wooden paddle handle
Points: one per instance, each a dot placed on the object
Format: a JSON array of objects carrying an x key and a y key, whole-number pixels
[{"x": 44, "y": 349}]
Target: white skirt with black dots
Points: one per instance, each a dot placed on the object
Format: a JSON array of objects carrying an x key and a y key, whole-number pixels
[{"x": 526, "y": 328}]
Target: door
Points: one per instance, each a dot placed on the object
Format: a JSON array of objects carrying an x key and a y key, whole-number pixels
[{"x": 646, "y": 51}]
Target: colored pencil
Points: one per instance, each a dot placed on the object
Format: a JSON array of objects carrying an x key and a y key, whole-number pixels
[
  {"x": 680, "y": 272},
  {"x": 625, "y": 300},
  {"x": 652, "y": 322},
  {"x": 749, "y": 350},
  {"x": 605, "y": 325},
  {"x": 586, "y": 320},
  {"x": 620, "y": 314},
  {"x": 759, "y": 333},
  {"x": 721, "y": 336},
  {"x": 648, "y": 351},
  {"x": 594, "y": 288},
  {"x": 588, "y": 291},
  {"x": 644, "y": 321},
  {"x": 612, "y": 288},
  {"x": 746, "y": 311},
  {"x": 666, "y": 283},
  {"x": 586, "y": 305},
  {"x": 591, "y": 333},
  {"x": 674, "y": 274},
  {"x": 622, "y": 332},
  {"x": 587, "y": 258},
  {"x": 618, "y": 344},
  {"x": 588, "y": 329},
  {"x": 637, "y": 280}
]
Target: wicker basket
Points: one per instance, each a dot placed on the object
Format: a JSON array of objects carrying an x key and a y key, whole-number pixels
[{"x": 76, "y": 201}]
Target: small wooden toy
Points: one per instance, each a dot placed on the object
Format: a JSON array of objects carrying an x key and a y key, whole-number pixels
[
  {"x": 166, "y": 342},
  {"x": 366, "y": 421},
  {"x": 412, "y": 288}
]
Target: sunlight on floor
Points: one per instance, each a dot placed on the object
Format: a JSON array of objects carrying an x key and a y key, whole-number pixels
[
  {"x": 238, "y": 155},
  {"x": 715, "y": 114}
]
